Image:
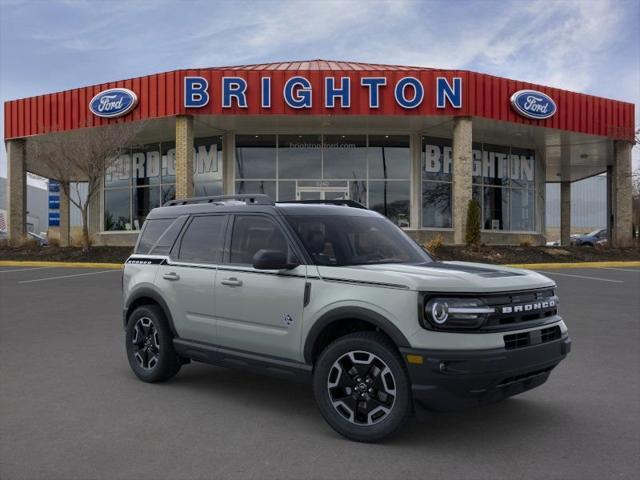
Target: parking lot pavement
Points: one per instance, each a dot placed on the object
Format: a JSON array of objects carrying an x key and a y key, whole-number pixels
[{"x": 71, "y": 408}]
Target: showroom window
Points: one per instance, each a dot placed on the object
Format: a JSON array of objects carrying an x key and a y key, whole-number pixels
[
  {"x": 144, "y": 176},
  {"x": 374, "y": 170},
  {"x": 503, "y": 185}
]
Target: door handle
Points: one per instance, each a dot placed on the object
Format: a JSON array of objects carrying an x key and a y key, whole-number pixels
[
  {"x": 232, "y": 282},
  {"x": 173, "y": 276}
]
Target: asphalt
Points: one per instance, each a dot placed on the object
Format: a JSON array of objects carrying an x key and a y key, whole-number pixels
[{"x": 71, "y": 408}]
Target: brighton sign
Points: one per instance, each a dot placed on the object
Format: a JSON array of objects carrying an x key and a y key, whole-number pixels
[
  {"x": 113, "y": 103},
  {"x": 533, "y": 104},
  {"x": 408, "y": 92}
]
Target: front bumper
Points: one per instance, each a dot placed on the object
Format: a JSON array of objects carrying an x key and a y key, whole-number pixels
[{"x": 453, "y": 379}]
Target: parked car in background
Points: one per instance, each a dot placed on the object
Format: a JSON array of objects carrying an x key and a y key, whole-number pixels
[
  {"x": 590, "y": 239},
  {"x": 41, "y": 239}
]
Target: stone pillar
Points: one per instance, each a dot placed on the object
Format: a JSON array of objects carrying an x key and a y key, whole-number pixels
[
  {"x": 228, "y": 163},
  {"x": 462, "y": 175},
  {"x": 621, "y": 184},
  {"x": 416, "y": 180},
  {"x": 16, "y": 190},
  {"x": 65, "y": 217},
  {"x": 565, "y": 213},
  {"x": 184, "y": 156}
]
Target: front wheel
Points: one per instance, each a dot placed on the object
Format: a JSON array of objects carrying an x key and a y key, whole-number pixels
[
  {"x": 150, "y": 345},
  {"x": 362, "y": 387}
]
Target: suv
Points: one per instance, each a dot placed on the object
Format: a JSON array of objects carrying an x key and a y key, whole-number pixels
[{"x": 333, "y": 293}]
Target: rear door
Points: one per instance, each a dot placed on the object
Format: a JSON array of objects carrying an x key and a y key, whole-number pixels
[
  {"x": 187, "y": 281},
  {"x": 259, "y": 310}
]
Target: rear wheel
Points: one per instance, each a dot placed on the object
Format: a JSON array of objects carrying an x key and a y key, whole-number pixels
[
  {"x": 362, "y": 387},
  {"x": 150, "y": 345}
]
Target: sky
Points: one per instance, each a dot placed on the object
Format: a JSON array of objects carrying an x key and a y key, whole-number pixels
[{"x": 589, "y": 46}]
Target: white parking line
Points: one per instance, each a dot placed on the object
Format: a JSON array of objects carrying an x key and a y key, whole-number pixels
[
  {"x": 24, "y": 269},
  {"x": 582, "y": 276},
  {"x": 67, "y": 276}
]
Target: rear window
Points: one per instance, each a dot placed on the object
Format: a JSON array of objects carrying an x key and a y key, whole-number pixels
[{"x": 158, "y": 235}]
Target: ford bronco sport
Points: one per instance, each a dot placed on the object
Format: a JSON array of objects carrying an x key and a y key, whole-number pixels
[{"x": 336, "y": 294}]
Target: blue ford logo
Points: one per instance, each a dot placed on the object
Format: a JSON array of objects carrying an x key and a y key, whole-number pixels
[
  {"x": 114, "y": 102},
  {"x": 533, "y": 104}
]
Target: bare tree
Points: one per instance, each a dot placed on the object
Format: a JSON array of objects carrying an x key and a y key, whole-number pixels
[{"x": 82, "y": 156}]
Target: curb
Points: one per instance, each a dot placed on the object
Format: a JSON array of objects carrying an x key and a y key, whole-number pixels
[
  {"x": 550, "y": 266},
  {"x": 28, "y": 263},
  {"x": 531, "y": 266}
]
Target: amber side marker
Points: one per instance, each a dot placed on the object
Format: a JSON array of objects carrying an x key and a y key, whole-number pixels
[{"x": 415, "y": 359}]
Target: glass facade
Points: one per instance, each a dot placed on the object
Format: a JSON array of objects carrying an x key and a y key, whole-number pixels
[
  {"x": 144, "y": 178},
  {"x": 374, "y": 170},
  {"x": 503, "y": 184}
]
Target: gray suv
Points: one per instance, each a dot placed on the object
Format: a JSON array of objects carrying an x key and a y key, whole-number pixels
[{"x": 335, "y": 294}]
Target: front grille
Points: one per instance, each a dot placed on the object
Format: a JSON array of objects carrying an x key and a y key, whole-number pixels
[
  {"x": 518, "y": 307},
  {"x": 534, "y": 337}
]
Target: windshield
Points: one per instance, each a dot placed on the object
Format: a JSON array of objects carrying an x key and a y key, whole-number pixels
[
  {"x": 340, "y": 240},
  {"x": 594, "y": 233}
]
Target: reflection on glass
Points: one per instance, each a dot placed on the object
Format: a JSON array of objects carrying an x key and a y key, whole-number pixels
[
  {"x": 495, "y": 165},
  {"x": 168, "y": 193},
  {"x": 207, "y": 162},
  {"x": 117, "y": 213},
  {"x": 286, "y": 190},
  {"x": 496, "y": 208},
  {"x": 391, "y": 199},
  {"x": 522, "y": 209},
  {"x": 168, "y": 162},
  {"x": 437, "y": 163},
  {"x": 118, "y": 174},
  {"x": 144, "y": 200},
  {"x": 389, "y": 157},
  {"x": 207, "y": 189},
  {"x": 300, "y": 156},
  {"x": 522, "y": 167},
  {"x": 255, "y": 156},
  {"x": 146, "y": 164},
  {"x": 345, "y": 156},
  {"x": 436, "y": 204},
  {"x": 257, "y": 186}
]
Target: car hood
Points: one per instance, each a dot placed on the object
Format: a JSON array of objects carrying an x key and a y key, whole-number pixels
[{"x": 441, "y": 276}]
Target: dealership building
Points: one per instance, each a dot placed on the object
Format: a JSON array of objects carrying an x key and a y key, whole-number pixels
[{"x": 415, "y": 144}]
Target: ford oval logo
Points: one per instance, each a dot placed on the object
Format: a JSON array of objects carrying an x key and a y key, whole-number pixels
[
  {"x": 533, "y": 104},
  {"x": 114, "y": 102}
]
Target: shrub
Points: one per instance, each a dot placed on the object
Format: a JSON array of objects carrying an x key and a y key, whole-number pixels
[
  {"x": 525, "y": 243},
  {"x": 472, "y": 233},
  {"x": 435, "y": 243}
]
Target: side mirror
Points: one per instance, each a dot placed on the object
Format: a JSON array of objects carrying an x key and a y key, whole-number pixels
[{"x": 272, "y": 260}]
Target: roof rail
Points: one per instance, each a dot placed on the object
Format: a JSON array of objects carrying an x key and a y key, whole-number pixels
[
  {"x": 344, "y": 203},
  {"x": 257, "y": 199}
]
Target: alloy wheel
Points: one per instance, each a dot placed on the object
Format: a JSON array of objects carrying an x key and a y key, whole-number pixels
[
  {"x": 146, "y": 343},
  {"x": 362, "y": 388}
]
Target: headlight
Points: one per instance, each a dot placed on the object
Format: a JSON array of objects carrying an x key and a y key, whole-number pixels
[{"x": 456, "y": 312}]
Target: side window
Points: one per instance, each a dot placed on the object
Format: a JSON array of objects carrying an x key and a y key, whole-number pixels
[
  {"x": 152, "y": 231},
  {"x": 203, "y": 240},
  {"x": 252, "y": 233}
]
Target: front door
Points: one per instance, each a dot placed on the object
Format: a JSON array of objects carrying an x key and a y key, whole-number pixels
[{"x": 259, "y": 310}]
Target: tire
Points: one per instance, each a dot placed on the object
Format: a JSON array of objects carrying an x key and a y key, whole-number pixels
[
  {"x": 371, "y": 402},
  {"x": 149, "y": 344}
]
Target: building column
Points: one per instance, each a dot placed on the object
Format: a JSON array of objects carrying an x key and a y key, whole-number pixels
[
  {"x": 16, "y": 191},
  {"x": 228, "y": 163},
  {"x": 622, "y": 190},
  {"x": 415, "y": 147},
  {"x": 184, "y": 156},
  {"x": 565, "y": 213},
  {"x": 462, "y": 175},
  {"x": 65, "y": 218}
]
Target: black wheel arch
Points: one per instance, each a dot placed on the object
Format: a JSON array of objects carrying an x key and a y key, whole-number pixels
[
  {"x": 147, "y": 296},
  {"x": 330, "y": 320}
]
